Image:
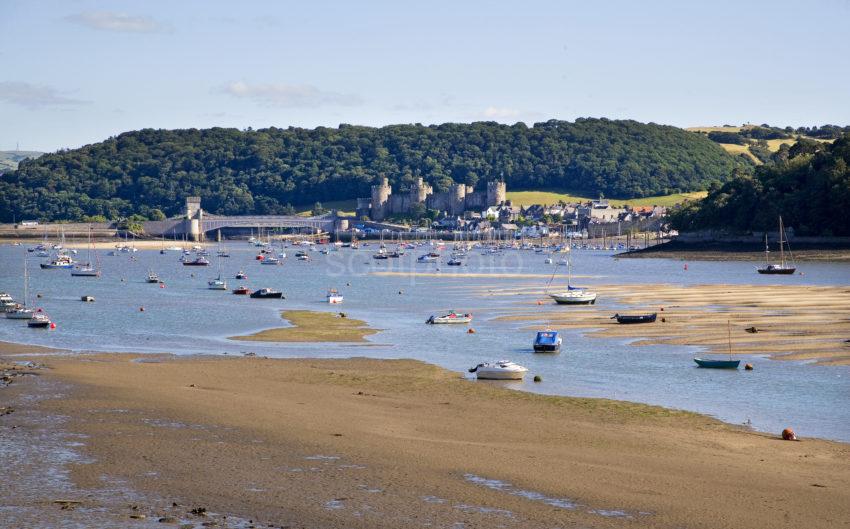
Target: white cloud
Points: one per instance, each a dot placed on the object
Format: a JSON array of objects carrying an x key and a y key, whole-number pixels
[
  {"x": 35, "y": 96},
  {"x": 121, "y": 22},
  {"x": 290, "y": 95},
  {"x": 500, "y": 113}
]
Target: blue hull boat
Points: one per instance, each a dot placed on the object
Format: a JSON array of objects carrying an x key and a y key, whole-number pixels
[
  {"x": 717, "y": 364},
  {"x": 547, "y": 342}
]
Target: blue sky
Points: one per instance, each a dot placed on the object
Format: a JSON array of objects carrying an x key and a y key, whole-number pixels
[{"x": 74, "y": 72}]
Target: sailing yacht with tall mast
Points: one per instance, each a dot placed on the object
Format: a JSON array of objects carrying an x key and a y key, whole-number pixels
[
  {"x": 782, "y": 268},
  {"x": 21, "y": 312},
  {"x": 87, "y": 270},
  {"x": 573, "y": 295}
]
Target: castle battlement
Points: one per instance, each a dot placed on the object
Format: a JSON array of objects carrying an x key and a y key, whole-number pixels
[{"x": 459, "y": 198}]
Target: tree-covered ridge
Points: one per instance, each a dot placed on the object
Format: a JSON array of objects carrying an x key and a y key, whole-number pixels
[
  {"x": 811, "y": 190},
  {"x": 261, "y": 171}
]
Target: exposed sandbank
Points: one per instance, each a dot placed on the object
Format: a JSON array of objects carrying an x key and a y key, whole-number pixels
[{"x": 313, "y": 326}]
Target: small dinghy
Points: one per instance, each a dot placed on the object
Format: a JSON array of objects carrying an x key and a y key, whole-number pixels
[
  {"x": 636, "y": 318},
  {"x": 451, "y": 317},
  {"x": 717, "y": 364},
  {"x": 241, "y": 275},
  {"x": 501, "y": 370},
  {"x": 547, "y": 342},
  {"x": 241, "y": 291},
  {"x": 720, "y": 364}
]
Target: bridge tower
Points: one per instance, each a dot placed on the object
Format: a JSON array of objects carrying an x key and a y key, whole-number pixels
[{"x": 194, "y": 217}]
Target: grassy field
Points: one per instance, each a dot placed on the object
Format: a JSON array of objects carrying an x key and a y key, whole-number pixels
[
  {"x": 344, "y": 207},
  {"x": 735, "y": 150},
  {"x": 528, "y": 198}
]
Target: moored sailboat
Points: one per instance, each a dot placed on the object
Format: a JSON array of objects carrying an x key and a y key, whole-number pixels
[{"x": 781, "y": 268}]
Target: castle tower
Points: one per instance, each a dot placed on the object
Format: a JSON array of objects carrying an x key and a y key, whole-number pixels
[
  {"x": 380, "y": 199},
  {"x": 457, "y": 199},
  {"x": 497, "y": 193},
  {"x": 419, "y": 192}
]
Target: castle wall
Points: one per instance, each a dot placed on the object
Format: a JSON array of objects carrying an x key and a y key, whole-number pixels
[{"x": 455, "y": 201}]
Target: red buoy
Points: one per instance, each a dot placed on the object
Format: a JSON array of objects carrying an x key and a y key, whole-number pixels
[
  {"x": 686, "y": 266},
  {"x": 162, "y": 285},
  {"x": 52, "y": 325}
]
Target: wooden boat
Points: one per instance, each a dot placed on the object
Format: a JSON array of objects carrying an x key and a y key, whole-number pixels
[
  {"x": 636, "y": 318},
  {"x": 266, "y": 293},
  {"x": 720, "y": 364},
  {"x": 547, "y": 342},
  {"x": 782, "y": 268},
  {"x": 241, "y": 291}
]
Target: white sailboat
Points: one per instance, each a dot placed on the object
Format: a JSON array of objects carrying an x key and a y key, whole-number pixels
[
  {"x": 21, "y": 312},
  {"x": 573, "y": 295},
  {"x": 87, "y": 270}
]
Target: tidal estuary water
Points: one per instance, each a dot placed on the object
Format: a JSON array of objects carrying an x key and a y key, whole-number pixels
[{"x": 185, "y": 317}]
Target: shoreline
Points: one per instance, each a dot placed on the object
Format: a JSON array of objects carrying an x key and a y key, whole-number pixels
[
  {"x": 737, "y": 251},
  {"x": 328, "y": 439}
]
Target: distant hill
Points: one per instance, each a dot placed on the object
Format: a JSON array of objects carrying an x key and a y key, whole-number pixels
[
  {"x": 810, "y": 190},
  {"x": 262, "y": 171},
  {"x": 764, "y": 143},
  {"x": 9, "y": 159}
]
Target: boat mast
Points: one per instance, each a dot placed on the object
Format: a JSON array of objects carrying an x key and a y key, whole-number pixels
[
  {"x": 729, "y": 329},
  {"x": 26, "y": 283},
  {"x": 781, "y": 244}
]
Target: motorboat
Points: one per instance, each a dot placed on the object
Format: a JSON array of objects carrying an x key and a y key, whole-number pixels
[
  {"x": 60, "y": 261},
  {"x": 381, "y": 255},
  {"x": 270, "y": 260},
  {"x": 547, "y": 342},
  {"x": 303, "y": 257},
  {"x": 574, "y": 296},
  {"x": 427, "y": 258},
  {"x": 39, "y": 320},
  {"x": 4, "y": 297},
  {"x": 199, "y": 261},
  {"x": 635, "y": 318},
  {"x": 334, "y": 297},
  {"x": 266, "y": 293},
  {"x": 501, "y": 370},
  {"x": 451, "y": 317},
  {"x": 241, "y": 275},
  {"x": 241, "y": 291},
  {"x": 152, "y": 277},
  {"x": 454, "y": 261}
]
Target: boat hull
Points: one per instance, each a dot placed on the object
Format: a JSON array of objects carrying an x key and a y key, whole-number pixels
[
  {"x": 643, "y": 318},
  {"x": 717, "y": 364},
  {"x": 571, "y": 299},
  {"x": 45, "y": 266},
  {"x": 274, "y": 295},
  {"x": 777, "y": 271},
  {"x": 19, "y": 315},
  {"x": 547, "y": 348},
  {"x": 85, "y": 273},
  {"x": 499, "y": 374}
]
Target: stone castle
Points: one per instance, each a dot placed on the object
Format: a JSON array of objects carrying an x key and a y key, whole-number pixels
[{"x": 383, "y": 203}]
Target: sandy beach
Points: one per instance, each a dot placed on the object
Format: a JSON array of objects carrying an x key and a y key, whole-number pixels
[
  {"x": 799, "y": 323},
  {"x": 380, "y": 443}
]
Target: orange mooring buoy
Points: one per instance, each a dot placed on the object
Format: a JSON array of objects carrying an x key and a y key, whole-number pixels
[
  {"x": 789, "y": 435},
  {"x": 470, "y": 331},
  {"x": 748, "y": 367}
]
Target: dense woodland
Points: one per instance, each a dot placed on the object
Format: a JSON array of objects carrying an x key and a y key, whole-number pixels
[
  {"x": 810, "y": 189},
  {"x": 150, "y": 172}
]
